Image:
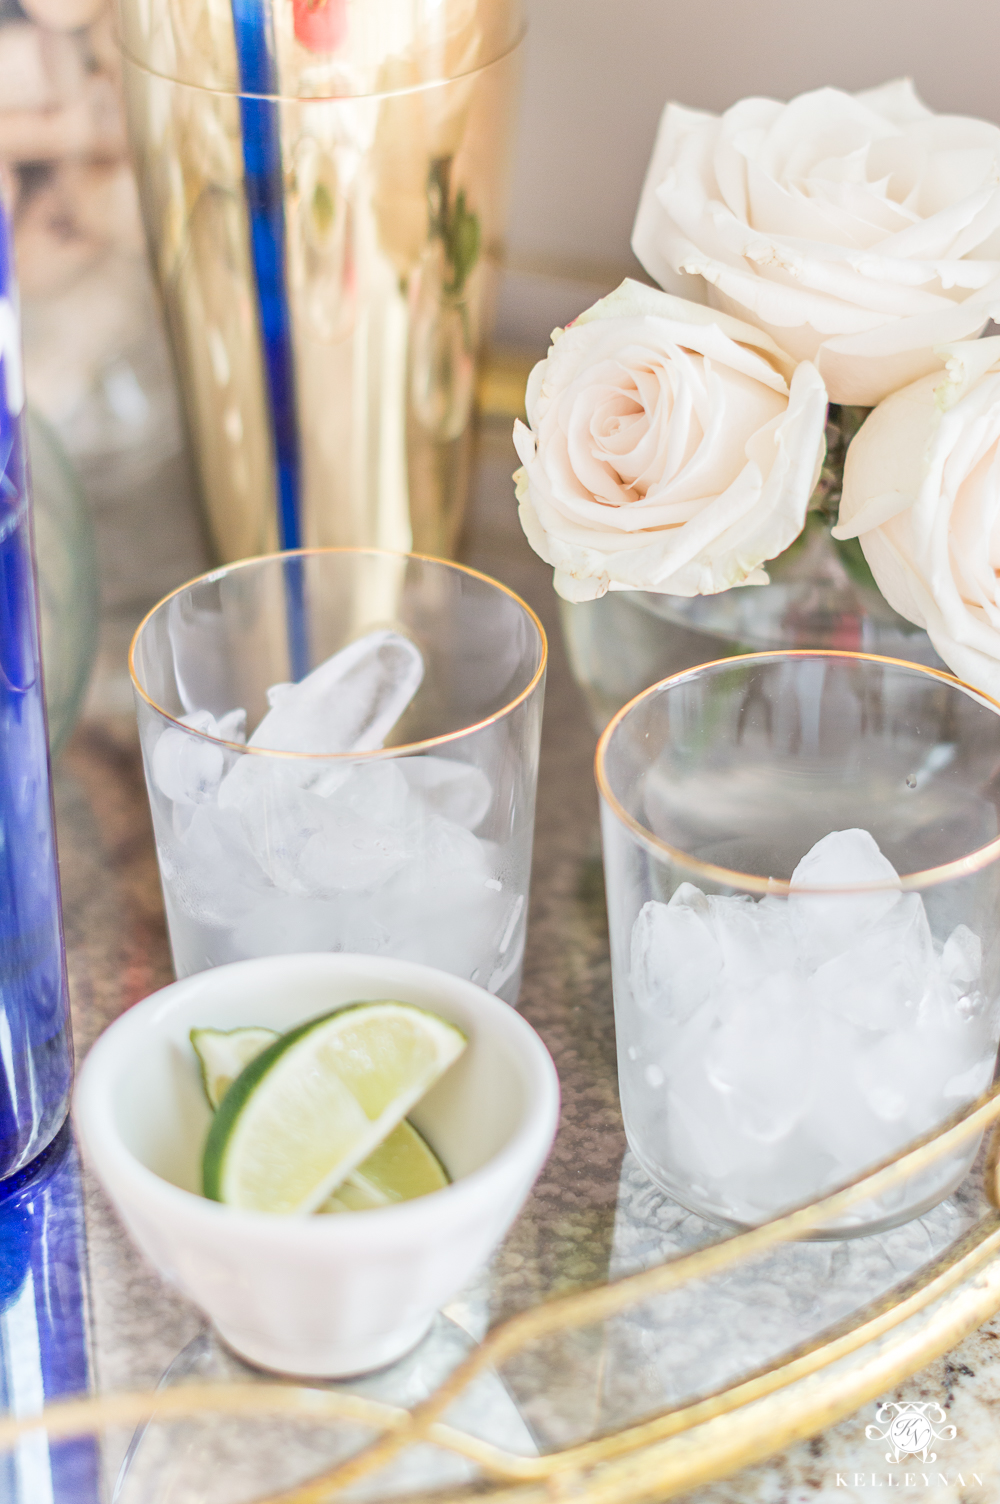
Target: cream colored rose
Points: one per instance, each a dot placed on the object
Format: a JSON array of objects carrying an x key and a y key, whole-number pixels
[
  {"x": 667, "y": 450},
  {"x": 922, "y": 491},
  {"x": 858, "y": 230}
]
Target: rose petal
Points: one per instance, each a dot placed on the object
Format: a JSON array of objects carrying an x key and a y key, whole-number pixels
[
  {"x": 935, "y": 558},
  {"x": 665, "y": 454},
  {"x": 861, "y": 218}
]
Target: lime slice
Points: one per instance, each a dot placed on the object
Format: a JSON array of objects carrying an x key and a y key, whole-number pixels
[
  {"x": 222, "y": 1054},
  {"x": 403, "y": 1167},
  {"x": 309, "y": 1109}
]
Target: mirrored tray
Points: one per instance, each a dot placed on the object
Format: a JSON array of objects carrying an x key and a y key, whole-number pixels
[
  {"x": 674, "y": 1372},
  {"x": 614, "y": 1350}
]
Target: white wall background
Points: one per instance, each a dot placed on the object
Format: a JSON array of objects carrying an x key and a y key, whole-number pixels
[{"x": 598, "y": 73}]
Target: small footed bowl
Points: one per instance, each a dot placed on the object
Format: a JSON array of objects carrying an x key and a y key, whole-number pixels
[{"x": 322, "y": 1296}]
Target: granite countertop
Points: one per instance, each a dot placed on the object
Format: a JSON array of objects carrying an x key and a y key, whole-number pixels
[{"x": 591, "y": 1215}]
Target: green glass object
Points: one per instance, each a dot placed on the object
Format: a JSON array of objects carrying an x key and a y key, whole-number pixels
[{"x": 67, "y": 578}]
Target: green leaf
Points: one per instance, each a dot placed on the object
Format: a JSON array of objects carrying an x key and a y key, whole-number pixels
[{"x": 463, "y": 237}]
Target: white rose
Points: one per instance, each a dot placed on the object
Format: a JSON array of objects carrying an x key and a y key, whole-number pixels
[
  {"x": 859, "y": 230},
  {"x": 922, "y": 491},
  {"x": 666, "y": 449}
]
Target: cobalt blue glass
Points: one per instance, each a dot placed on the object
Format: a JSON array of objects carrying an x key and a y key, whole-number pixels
[
  {"x": 36, "y": 1061},
  {"x": 44, "y": 1344}
]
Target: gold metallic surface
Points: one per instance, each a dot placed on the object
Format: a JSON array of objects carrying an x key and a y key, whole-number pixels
[
  {"x": 395, "y": 155},
  {"x": 503, "y": 378},
  {"x": 991, "y": 1169}
]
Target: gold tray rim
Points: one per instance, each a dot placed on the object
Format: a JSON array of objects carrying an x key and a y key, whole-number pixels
[{"x": 808, "y": 1389}]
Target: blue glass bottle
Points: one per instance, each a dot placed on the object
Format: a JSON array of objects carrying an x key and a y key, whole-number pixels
[
  {"x": 36, "y": 1060},
  {"x": 44, "y": 1338}
]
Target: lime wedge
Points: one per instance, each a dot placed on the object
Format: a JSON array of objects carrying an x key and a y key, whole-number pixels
[
  {"x": 316, "y": 1103},
  {"x": 403, "y": 1167},
  {"x": 222, "y": 1054}
]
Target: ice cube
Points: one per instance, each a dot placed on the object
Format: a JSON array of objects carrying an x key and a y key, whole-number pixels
[
  {"x": 438, "y": 905},
  {"x": 276, "y": 692},
  {"x": 332, "y": 853},
  {"x": 754, "y": 938},
  {"x": 185, "y": 768},
  {"x": 457, "y": 790},
  {"x": 687, "y": 896},
  {"x": 255, "y": 781},
  {"x": 845, "y": 859},
  {"x": 903, "y": 1076},
  {"x": 799, "y": 1170},
  {"x": 313, "y": 845},
  {"x": 761, "y": 1056},
  {"x": 702, "y": 1139},
  {"x": 375, "y": 791},
  {"x": 209, "y": 867},
  {"x": 696, "y": 1140},
  {"x": 969, "y": 1083},
  {"x": 231, "y": 727},
  {"x": 879, "y": 982},
  {"x": 962, "y": 957},
  {"x": 809, "y": 1038},
  {"x": 283, "y": 924},
  {"x": 349, "y": 854},
  {"x": 350, "y": 703},
  {"x": 675, "y": 957},
  {"x": 188, "y": 768},
  {"x": 839, "y": 1118},
  {"x": 685, "y": 1117},
  {"x": 363, "y": 834}
]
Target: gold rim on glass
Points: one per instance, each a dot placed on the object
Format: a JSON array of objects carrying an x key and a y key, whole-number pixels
[
  {"x": 403, "y": 749},
  {"x": 963, "y": 866},
  {"x": 339, "y": 99}
]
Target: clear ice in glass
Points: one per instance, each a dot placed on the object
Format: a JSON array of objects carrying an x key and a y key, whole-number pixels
[
  {"x": 272, "y": 855},
  {"x": 787, "y": 1044}
]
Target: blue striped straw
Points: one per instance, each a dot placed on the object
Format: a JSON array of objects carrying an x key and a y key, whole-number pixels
[{"x": 253, "y": 24}]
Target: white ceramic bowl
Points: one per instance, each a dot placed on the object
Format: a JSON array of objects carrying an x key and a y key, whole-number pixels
[{"x": 328, "y": 1295}]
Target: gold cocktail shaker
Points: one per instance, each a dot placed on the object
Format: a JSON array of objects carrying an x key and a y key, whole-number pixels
[{"x": 323, "y": 188}]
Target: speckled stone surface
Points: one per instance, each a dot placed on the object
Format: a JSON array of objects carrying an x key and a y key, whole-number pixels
[{"x": 591, "y": 1215}]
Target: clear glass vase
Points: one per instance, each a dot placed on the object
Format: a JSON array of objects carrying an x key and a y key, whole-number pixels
[{"x": 821, "y": 595}]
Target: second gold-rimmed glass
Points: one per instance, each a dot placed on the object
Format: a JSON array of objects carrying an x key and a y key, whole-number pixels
[
  {"x": 418, "y": 849},
  {"x": 803, "y": 872}
]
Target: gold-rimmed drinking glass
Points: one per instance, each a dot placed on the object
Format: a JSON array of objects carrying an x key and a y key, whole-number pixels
[
  {"x": 777, "y": 1035},
  {"x": 420, "y": 849}
]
